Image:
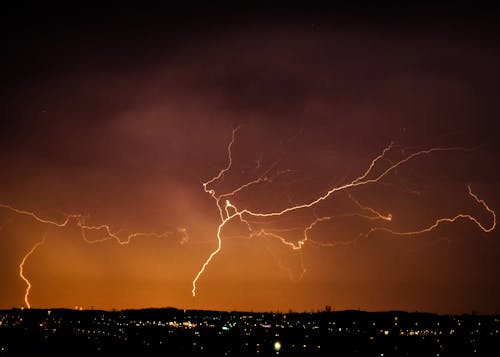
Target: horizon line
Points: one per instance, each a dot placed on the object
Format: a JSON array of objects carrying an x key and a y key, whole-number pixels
[{"x": 275, "y": 312}]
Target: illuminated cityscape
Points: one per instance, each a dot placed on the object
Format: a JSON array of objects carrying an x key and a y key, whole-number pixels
[{"x": 196, "y": 332}]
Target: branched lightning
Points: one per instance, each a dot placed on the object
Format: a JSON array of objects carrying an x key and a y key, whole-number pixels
[
  {"x": 21, "y": 271},
  {"x": 259, "y": 223},
  {"x": 359, "y": 181},
  {"x": 228, "y": 210},
  {"x": 439, "y": 221},
  {"x": 79, "y": 222}
]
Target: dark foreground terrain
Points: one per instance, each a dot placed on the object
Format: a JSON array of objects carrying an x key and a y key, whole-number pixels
[{"x": 192, "y": 332}]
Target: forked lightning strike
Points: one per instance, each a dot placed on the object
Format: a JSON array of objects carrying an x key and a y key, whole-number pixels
[
  {"x": 79, "y": 221},
  {"x": 228, "y": 211}
]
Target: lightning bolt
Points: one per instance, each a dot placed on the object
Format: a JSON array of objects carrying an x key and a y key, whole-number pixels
[
  {"x": 39, "y": 219},
  {"x": 224, "y": 209},
  {"x": 21, "y": 270},
  {"x": 79, "y": 221},
  {"x": 359, "y": 181},
  {"x": 228, "y": 211},
  {"x": 440, "y": 221},
  {"x": 377, "y": 169}
]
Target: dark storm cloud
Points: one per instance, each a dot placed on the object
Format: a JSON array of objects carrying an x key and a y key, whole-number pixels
[
  {"x": 110, "y": 90},
  {"x": 125, "y": 93}
]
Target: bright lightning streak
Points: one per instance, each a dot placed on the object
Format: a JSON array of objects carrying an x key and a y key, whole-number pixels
[
  {"x": 213, "y": 254},
  {"x": 483, "y": 203},
  {"x": 79, "y": 221},
  {"x": 228, "y": 211},
  {"x": 84, "y": 228},
  {"x": 359, "y": 181},
  {"x": 373, "y": 163},
  {"x": 310, "y": 227},
  {"x": 212, "y": 194},
  {"x": 439, "y": 221},
  {"x": 21, "y": 271},
  {"x": 39, "y": 219},
  {"x": 226, "y": 207},
  {"x": 110, "y": 235}
]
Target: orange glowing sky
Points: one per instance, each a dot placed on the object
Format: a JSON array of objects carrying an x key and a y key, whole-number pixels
[{"x": 119, "y": 118}]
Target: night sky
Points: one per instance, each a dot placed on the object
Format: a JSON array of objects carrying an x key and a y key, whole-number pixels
[{"x": 121, "y": 114}]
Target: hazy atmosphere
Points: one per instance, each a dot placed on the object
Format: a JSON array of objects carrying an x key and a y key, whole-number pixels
[{"x": 346, "y": 158}]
